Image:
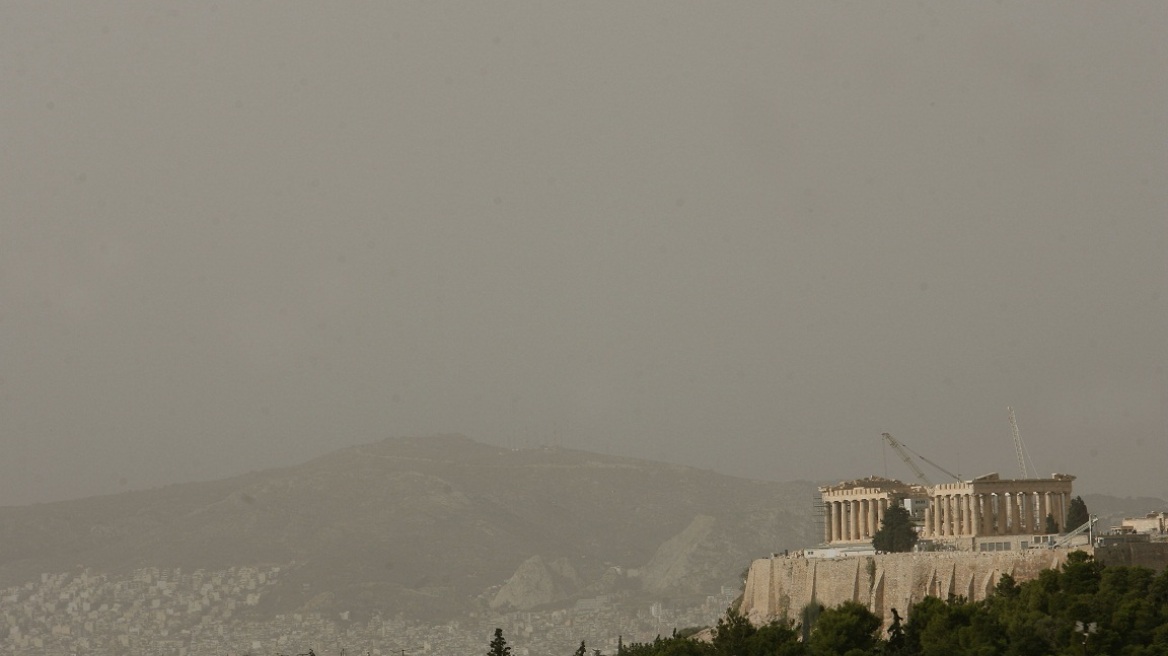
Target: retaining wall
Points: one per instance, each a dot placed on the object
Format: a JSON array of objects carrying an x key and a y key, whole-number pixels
[{"x": 780, "y": 587}]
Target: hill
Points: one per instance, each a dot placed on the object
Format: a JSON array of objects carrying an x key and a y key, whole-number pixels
[{"x": 430, "y": 528}]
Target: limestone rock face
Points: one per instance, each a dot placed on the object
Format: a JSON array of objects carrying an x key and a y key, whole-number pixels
[
  {"x": 778, "y": 588},
  {"x": 536, "y": 583},
  {"x": 681, "y": 559}
]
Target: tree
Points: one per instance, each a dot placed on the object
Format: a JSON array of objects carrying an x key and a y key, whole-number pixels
[
  {"x": 807, "y": 619},
  {"x": 731, "y": 633},
  {"x": 1051, "y": 524},
  {"x": 849, "y": 627},
  {"x": 499, "y": 645},
  {"x": 581, "y": 650},
  {"x": 1007, "y": 587},
  {"x": 1077, "y": 514},
  {"x": 896, "y": 532}
]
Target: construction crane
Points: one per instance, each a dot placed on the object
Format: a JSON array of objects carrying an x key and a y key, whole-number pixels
[
  {"x": 1019, "y": 449},
  {"x": 902, "y": 450}
]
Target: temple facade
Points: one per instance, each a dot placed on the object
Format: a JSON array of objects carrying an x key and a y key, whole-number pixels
[
  {"x": 854, "y": 510},
  {"x": 968, "y": 514}
]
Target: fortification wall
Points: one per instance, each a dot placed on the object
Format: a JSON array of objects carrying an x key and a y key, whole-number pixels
[
  {"x": 1153, "y": 555},
  {"x": 780, "y": 587}
]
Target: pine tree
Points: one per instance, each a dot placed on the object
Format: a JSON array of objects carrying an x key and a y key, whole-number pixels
[
  {"x": 1077, "y": 514},
  {"x": 896, "y": 532},
  {"x": 581, "y": 650},
  {"x": 499, "y": 645}
]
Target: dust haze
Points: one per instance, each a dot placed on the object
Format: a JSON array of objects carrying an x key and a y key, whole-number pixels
[{"x": 747, "y": 237}]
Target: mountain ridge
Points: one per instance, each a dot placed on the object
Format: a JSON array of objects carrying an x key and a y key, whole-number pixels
[
  {"x": 439, "y": 526},
  {"x": 427, "y": 526}
]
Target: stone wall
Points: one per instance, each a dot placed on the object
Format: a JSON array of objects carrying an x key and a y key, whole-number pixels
[
  {"x": 1153, "y": 555},
  {"x": 780, "y": 587}
]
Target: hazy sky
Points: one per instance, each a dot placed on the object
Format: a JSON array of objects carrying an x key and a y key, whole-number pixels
[{"x": 745, "y": 236}]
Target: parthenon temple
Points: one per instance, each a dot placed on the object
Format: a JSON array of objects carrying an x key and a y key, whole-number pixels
[{"x": 963, "y": 512}]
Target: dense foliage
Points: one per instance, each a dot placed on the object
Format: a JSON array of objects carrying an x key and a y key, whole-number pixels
[
  {"x": 1125, "y": 608},
  {"x": 1077, "y": 513},
  {"x": 896, "y": 532},
  {"x": 499, "y": 645}
]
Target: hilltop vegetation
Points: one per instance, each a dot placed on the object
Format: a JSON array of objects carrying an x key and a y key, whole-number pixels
[{"x": 1083, "y": 607}]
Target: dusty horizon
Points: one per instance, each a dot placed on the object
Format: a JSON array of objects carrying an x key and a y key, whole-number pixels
[{"x": 750, "y": 238}]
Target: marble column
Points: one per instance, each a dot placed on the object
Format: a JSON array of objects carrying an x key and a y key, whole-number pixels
[
  {"x": 942, "y": 515},
  {"x": 1043, "y": 510},
  {"x": 957, "y": 515},
  {"x": 1035, "y": 516},
  {"x": 845, "y": 520},
  {"x": 928, "y": 532},
  {"x": 987, "y": 514},
  {"x": 969, "y": 515},
  {"x": 1016, "y": 498},
  {"x": 881, "y": 508},
  {"x": 846, "y": 507},
  {"x": 1062, "y": 512},
  {"x": 953, "y": 515},
  {"x": 974, "y": 514},
  {"x": 950, "y": 515},
  {"x": 855, "y": 521},
  {"x": 827, "y": 523},
  {"x": 962, "y": 514},
  {"x": 939, "y": 516},
  {"x": 999, "y": 503},
  {"x": 1028, "y": 512},
  {"x": 1011, "y": 524},
  {"x": 859, "y": 535}
]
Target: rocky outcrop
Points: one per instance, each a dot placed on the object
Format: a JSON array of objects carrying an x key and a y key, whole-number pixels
[
  {"x": 537, "y": 583},
  {"x": 680, "y": 558}
]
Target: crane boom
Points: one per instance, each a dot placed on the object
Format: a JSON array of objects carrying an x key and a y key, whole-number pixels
[
  {"x": 939, "y": 467},
  {"x": 900, "y": 451},
  {"x": 1017, "y": 442},
  {"x": 904, "y": 450},
  {"x": 1020, "y": 447}
]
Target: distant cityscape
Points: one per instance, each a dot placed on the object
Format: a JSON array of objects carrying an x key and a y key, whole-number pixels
[{"x": 169, "y": 612}]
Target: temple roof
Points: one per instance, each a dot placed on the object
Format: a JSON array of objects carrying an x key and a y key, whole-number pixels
[{"x": 876, "y": 483}]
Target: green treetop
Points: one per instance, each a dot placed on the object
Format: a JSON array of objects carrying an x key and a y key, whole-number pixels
[
  {"x": 1077, "y": 514},
  {"x": 896, "y": 531},
  {"x": 499, "y": 645}
]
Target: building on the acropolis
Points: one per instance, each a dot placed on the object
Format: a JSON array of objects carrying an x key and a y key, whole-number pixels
[
  {"x": 1155, "y": 523},
  {"x": 854, "y": 510},
  {"x": 988, "y": 513}
]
